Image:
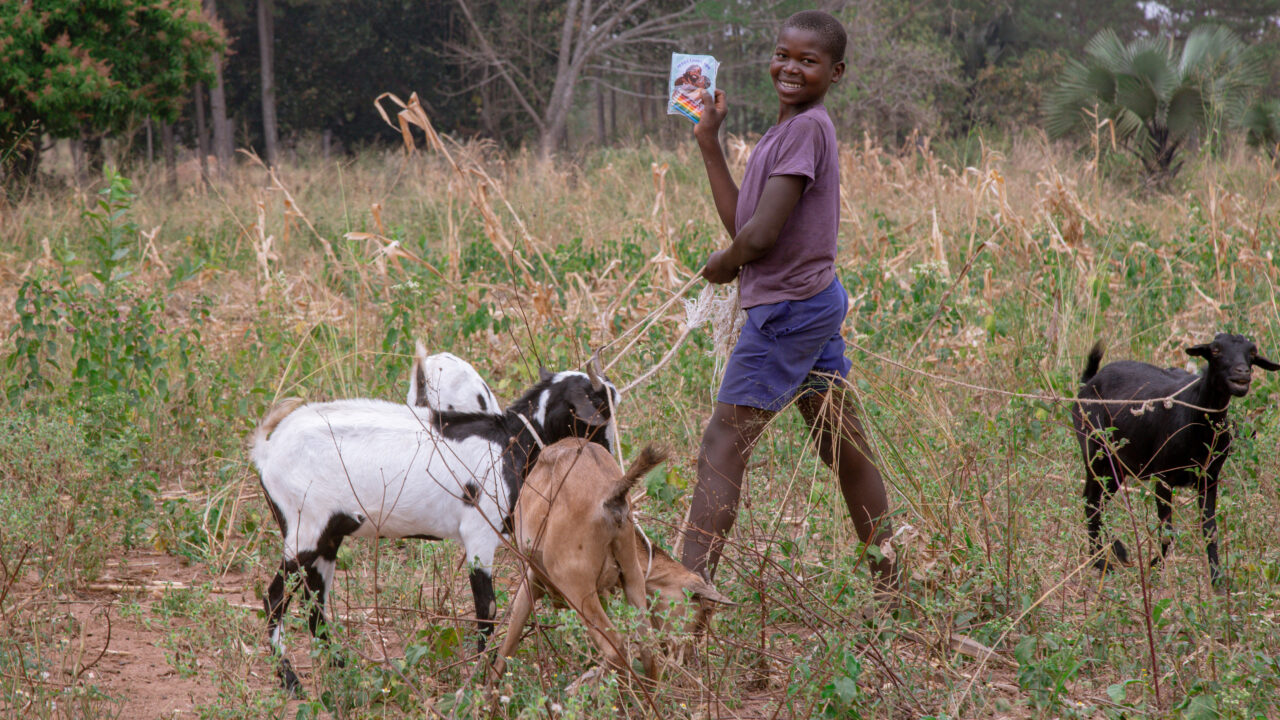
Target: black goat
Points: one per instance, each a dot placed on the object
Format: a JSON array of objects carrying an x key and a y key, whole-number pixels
[{"x": 1181, "y": 443}]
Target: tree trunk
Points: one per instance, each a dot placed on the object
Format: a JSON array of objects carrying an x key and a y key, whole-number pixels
[
  {"x": 643, "y": 102},
  {"x": 613, "y": 113},
  {"x": 556, "y": 115},
  {"x": 170, "y": 156},
  {"x": 326, "y": 142},
  {"x": 75, "y": 147},
  {"x": 266, "y": 57},
  {"x": 600, "y": 130},
  {"x": 555, "y": 134},
  {"x": 223, "y": 145},
  {"x": 202, "y": 132},
  {"x": 151, "y": 148},
  {"x": 92, "y": 159}
]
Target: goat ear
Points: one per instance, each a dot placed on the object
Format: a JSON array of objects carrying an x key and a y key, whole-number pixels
[
  {"x": 1199, "y": 351},
  {"x": 1265, "y": 364},
  {"x": 584, "y": 410},
  {"x": 703, "y": 590},
  {"x": 418, "y": 382}
]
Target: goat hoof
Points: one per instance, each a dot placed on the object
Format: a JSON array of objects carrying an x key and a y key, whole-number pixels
[
  {"x": 289, "y": 680},
  {"x": 1120, "y": 553}
]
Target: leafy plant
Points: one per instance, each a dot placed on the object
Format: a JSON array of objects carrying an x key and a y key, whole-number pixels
[
  {"x": 1261, "y": 123},
  {"x": 1155, "y": 96},
  {"x": 72, "y": 65}
]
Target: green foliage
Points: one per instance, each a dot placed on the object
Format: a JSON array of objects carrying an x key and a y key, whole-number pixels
[
  {"x": 842, "y": 698},
  {"x": 1045, "y": 666},
  {"x": 118, "y": 345},
  {"x": 1156, "y": 97},
  {"x": 72, "y": 65},
  {"x": 61, "y": 482},
  {"x": 1261, "y": 123}
]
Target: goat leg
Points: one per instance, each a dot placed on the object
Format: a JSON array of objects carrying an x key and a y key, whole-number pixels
[
  {"x": 626, "y": 551},
  {"x": 521, "y": 608},
  {"x": 276, "y": 602},
  {"x": 318, "y": 578},
  {"x": 1164, "y": 509},
  {"x": 1209, "y": 526},
  {"x": 1093, "y": 518},
  {"x": 601, "y": 630},
  {"x": 486, "y": 604}
]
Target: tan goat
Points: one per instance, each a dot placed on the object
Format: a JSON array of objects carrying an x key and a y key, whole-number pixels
[{"x": 573, "y": 524}]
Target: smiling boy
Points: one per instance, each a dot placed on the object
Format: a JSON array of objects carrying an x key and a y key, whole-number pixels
[{"x": 784, "y": 221}]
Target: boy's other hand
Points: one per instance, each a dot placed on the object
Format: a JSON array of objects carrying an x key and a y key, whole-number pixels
[
  {"x": 713, "y": 112},
  {"x": 718, "y": 269}
]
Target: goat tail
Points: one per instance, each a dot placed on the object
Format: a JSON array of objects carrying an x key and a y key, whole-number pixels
[
  {"x": 650, "y": 457},
  {"x": 278, "y": 413},
  {"x": 1095, "y": 360}
]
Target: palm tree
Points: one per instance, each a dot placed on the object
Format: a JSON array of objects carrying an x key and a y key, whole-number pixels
[
  {"x": 1262, "y": 126},
  {"x": 1157, "y": 97}
]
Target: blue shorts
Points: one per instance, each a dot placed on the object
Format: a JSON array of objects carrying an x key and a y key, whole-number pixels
[{"x": 782, "y": 345}]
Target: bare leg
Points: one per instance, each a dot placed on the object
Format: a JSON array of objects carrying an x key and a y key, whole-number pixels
[
  {"x": 843, "y": 446},
  {"x": 727, "y": 443}
]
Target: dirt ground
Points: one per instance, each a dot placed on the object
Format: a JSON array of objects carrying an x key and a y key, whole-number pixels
[{"x": 121, "y": 647}]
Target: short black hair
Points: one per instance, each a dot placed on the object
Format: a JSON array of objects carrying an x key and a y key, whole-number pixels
[{"x": 828, "y": 29}]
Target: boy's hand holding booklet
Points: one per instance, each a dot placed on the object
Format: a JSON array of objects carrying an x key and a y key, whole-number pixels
[{"x": 690, "y": 74}]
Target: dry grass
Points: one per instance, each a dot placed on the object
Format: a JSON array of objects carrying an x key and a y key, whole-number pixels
[{"x": 998, "y": 276}]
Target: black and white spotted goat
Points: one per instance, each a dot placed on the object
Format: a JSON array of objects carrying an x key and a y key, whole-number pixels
[
  {"x": 370, "y": 468},
  {"x": 1177, "y": 445}
]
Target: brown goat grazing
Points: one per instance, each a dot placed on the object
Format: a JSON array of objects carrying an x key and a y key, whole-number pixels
[{"x": 573, "y": 525}]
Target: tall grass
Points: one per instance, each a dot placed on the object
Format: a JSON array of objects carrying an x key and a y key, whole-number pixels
[{"x": 968, "y": 284}]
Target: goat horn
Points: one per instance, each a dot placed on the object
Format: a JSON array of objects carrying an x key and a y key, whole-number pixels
[{"x": 594, "y": 371}]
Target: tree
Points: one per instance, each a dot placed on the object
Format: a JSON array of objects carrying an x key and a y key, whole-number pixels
[
  {"x": 266, "y": 65},
  {"x": 1261, "y": 124},
  {"x": 69, "y": 67},
  {"x": 893, "y": 73},
  {"x": 1156, "y": 97},
  {"x": 539, "y": 49},
  {"x": 223, "y": 145}
]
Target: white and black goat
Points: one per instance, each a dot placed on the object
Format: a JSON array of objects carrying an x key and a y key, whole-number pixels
[
  {"x": 446, "y": 382},
  {"x": 1178, "y": 445},
  {"x": 370, "y": 468}
]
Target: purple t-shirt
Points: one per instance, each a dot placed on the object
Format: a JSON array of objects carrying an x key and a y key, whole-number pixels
[{"x": 801, "y": 264}]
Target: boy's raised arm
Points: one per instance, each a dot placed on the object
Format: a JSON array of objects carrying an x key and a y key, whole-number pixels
[{"x": 723, "y": 189}]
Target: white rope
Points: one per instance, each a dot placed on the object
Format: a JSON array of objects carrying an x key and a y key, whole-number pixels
[
  {"x": 711, "y": 305},
  {"x": 1137, "y": 407}
]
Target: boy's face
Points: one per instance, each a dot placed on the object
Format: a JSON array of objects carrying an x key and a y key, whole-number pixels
[{"x": 802, "y": 69}]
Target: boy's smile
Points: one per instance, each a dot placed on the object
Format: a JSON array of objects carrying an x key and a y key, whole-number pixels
[{"x": 802, "y": 70}]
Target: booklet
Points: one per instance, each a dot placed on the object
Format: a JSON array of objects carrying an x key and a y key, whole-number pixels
[{"x": 689, "y": 75}]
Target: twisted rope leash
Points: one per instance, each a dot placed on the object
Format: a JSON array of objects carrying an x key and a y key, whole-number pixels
[{"x": 1167, "y": 401}]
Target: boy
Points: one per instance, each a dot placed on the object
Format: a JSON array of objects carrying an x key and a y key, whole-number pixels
[{"x": 784, "y": 222}]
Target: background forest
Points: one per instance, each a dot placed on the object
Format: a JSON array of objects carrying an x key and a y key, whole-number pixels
[
  {"x": 173, "y": 81},
  {"x": 203, "y": 213}
]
